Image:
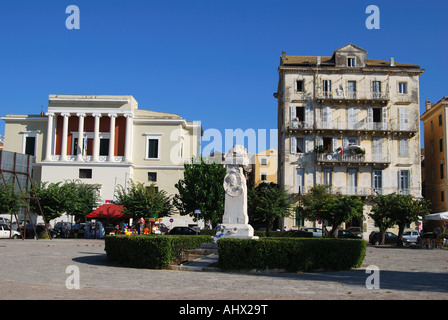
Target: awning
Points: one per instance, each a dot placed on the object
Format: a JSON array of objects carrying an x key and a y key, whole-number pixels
[
  {"x": 108, "y": 211},
  {"x": 437, "y": 216}
]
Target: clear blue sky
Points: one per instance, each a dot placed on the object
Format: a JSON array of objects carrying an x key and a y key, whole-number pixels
[{"x": 207, "y": 60}]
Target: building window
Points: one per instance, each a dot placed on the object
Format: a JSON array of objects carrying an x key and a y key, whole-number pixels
[
  {"x": 441, "y": 144},
  {"x": 351, "y": 62},
  {"x": 300, "y": 180},
  {"x": 377, "y": 181},
  {"x": 404, "y": 148},
  {"x": 442, "y": 171},
  {"x": 264, "y": 161},
  {"x": 264, "y": 177},
  {"x": 404, "y": 177},
  {"x": 440, "y": 120},
  {"x": 300, "y": 86},
  {"x": 300, "y": 144},
  {"x": 327, "y": 177},
  {"x": 351, "y": 89},
  {"x": 376, "y": 87},
  {"x": 442, "y": 196},
  {"x": 152, "y": 176},
  {"x": 85, "y": 173},
  {"x": 402, "y": 87},
  {"x": 30, "y": 145},
  {"x": 153, "y": 146},
  {"x": 326, "y": 87},
  {"x": 104, "y": 147}
]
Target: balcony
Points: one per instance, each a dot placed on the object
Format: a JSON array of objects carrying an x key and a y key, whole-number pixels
[
  {"x": 85, "y": 159},
  {"x": 354, "y": 191},
  {"x": 357, "y": 126},
  {"x": 410, "y": 127},
  {"x": 352, "y": 158},
  {"x": 341, "y": 96}
]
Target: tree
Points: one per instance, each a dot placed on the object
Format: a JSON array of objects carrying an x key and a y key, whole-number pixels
[
  {"x": 321, "y": 204},
  {"x": 268, "y": 202},
  {"x": 71, "y": 197},
  {"x": 142, "y": 201},
  {"x": 400, "y": 210},
  {"x": 81, "y": 199},
  {"x": 11, "y": 200},
  {"x": 201, "y": 189},
  {"x": 381, "y": 213},
  {"x": 52, "y": 197}
]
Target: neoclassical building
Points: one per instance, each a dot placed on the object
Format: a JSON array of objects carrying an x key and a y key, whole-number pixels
[
  {"x": 350, "y": 122},
  {"x": 105, "y": 140}
]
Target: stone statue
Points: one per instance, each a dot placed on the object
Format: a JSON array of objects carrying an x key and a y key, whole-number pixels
[{"x": 235, "y": 222}]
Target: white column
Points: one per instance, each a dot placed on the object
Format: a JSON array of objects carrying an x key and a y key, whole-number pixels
[
  {"x": 79, "y": 151},
  {"x": 127, "y": 147},
  {"x": 112, "y": 137},
  {"x": 49, "y": 146},
  {"x": 64, "y": 136},
  {"x": 96, "y": 138}
]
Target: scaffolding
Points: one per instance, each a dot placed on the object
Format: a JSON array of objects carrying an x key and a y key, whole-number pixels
[{"x": 16, "y": 168}]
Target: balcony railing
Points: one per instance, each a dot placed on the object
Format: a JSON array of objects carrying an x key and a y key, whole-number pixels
[
  {"x": 352, "y": 95},
  {"x": 354, "y": 191},
  {"x": 353, "y": 158},
  {"x": 360, "y": 125},
  {"x": 70, "y": 158},
  {"x": 296, "y": 124}
]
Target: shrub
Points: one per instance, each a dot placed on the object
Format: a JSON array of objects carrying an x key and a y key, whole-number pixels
[
  {"x": 151, "y": 252},
  {"x": 292, "y": 254}
]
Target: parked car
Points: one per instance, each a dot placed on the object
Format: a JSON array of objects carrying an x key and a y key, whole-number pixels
[
  {"x": 317, "y": 232},
  {"x": 389, "y": 237},
  {"x": 79, "y": 229},
  {"x": 356, "y": 231},
  {"x": 183, "y": 231},
  {"x": 410, "y": 237},
  {"x": 163, "y": 228},
  {"x": 63, "y": 229},
  {"x": 40, "y": 231},
  {"x": 344, "y": 234},
  {"x": 6, "y": 233}
]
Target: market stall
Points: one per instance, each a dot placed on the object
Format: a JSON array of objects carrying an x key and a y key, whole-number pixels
[{"x": 107, "y": 218}]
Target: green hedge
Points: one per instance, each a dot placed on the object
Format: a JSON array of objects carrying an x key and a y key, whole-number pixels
[
  {"x": 150, "y": 252},
  {"x": 292, "y": 254},
  {"x": 262, "y": 234},
  {"x": 283, "y": 234}
]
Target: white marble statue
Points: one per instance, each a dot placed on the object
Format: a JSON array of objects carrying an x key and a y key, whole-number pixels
[{"x": 235, "y": 222}]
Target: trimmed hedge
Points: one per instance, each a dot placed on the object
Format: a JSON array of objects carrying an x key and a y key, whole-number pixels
[
  {"x": 150, "y": 252},
  {"x": 262, "y": 234},
  {"x": 292, "y": 254},
  {"x": 284, "y": 234}
]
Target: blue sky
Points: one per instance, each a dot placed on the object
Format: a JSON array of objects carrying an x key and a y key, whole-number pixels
[{"x": 211, "y": 61}]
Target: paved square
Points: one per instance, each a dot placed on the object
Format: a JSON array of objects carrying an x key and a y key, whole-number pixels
[{"x": 37, "y": 270}]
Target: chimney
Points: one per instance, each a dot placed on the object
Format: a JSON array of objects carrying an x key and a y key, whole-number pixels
[
  {"x": 428, "y": 105},
  {"x": 318, "y": 60},
  {"x": 392, "y": 62},
  {"x": 284, "y": 55}
]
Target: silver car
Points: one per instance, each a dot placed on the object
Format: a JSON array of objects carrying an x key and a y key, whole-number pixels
[
  {"x": 410, "y": 237},
  {"x": 317, "y": 232}
]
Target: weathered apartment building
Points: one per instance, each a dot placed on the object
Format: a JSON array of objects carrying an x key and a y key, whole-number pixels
[{"x": 350, "y": 122}]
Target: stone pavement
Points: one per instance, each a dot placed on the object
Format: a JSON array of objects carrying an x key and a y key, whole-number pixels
[{"x": 36, "y": 269}]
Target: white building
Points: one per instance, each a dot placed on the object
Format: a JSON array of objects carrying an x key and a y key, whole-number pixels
[{"x": 105, "y": 140}]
